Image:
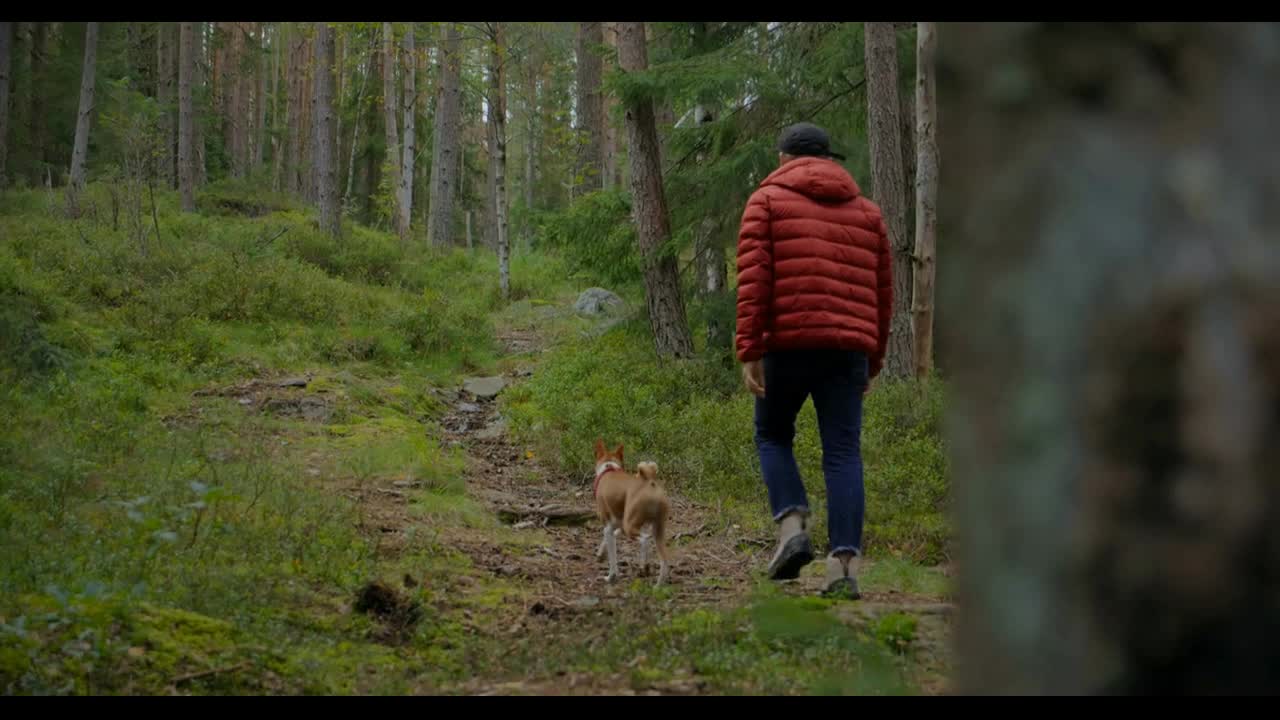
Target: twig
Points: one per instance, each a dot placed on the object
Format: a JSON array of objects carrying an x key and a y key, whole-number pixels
[
  {"x": 693, "y": 533},
  {"x": 267, "y": 241},
  {"x": 155, "y": 218},
  {"x": 214, "y": 671}
]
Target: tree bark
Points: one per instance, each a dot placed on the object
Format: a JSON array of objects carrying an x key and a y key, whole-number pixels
[
  {"x": 530, "y": 179},
  {"x": 6, "y": 52},
  {"x": 405, "y": 203},
  {"x": 278, "y": 43},
  {"x": 490, "y": 234},
  {"x": 306, "y": 126},
  {"x": 79, "y": 151},
  {"x": 166, "y": 76},
  {"x": 887, "y": 176},
  {"x": 203, "y": 78},
  {"x": 40, "y": 51},
  {"x": 667, "y": 318},
  {"x": 444, "y": 163},
  {"x": 612, "y": 168},
  {"x": 186, "y": 116},
  {"x": 907, "y": 117},
  {"x": 355, "y": 127},
  {"x": 1112, "y": 209},
  {"x": 260, "y": 104},
  {"x": 326, "y": 154},
  {"x": 926, "y": 197},
  {"x": 498, "y": 91},
  {"x": 293, "y": 160},
  {"x": 590, "y": 68},
  {"x": 391, "y": 121}
]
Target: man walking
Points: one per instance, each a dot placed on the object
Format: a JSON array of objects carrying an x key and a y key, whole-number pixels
[{"x": 815, "y": 296}]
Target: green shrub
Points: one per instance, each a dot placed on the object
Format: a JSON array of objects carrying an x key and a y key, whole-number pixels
[{"x": 696, "y": 422}]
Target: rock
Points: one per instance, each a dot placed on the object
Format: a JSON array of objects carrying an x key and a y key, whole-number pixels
[
  {"x": 583, "y": 603},
  {"x": 293, "y": 382},
  {"x": 597, "y": 301},
  {"x": 486, "y": 387},
  {"x": 493, "y": 430},
  {"x": 406, "y": 483},
  {"x": 467, "y": 407}
]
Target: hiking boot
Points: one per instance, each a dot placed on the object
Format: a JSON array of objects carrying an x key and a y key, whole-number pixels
[
  {"x": 794, "y": 549},
  {"x": 842, "y": 576}
]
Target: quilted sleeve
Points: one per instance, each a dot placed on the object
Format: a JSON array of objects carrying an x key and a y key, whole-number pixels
[{"x": 755, "y": 278}]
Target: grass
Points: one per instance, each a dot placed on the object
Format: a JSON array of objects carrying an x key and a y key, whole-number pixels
[
  {"x": 167, "y": 525},
  {"x": 133, "y": 498},
  {"x": 697, "y": 421}
]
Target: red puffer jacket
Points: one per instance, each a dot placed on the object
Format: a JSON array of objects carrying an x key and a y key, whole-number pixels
[{"x": 814, "y": 267}]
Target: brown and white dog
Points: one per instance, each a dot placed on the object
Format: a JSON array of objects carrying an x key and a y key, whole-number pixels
[{"x": 630, "y": 503}]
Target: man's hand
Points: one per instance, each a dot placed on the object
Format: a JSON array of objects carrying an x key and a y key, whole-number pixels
[{"x": 753, "y": 376}]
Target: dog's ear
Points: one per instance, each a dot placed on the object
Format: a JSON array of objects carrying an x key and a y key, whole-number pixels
[
  {"x": 599, "y": 448},
  {"x": 618, "y": 453}
]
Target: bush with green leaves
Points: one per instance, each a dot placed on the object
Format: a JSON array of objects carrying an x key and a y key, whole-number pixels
[{"x": 694, "y": 419}]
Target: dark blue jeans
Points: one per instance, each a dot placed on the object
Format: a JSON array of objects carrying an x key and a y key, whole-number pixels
[{"x": 836, "y": 380}]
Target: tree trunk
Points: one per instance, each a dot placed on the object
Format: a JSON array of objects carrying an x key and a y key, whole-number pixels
[
  {"x": 498, "y": 91},
  {"x": 166, "y": 75},
  {"x": 444, "y": 163},
  {"x": 390, "y": 104},
  {"x": 531, "y": 149},
  {"x": 661, "y": 278},
  {"x": 355, "y": 127},
  {"x": 293, "y": 161},
  {"x": 186, "y": 116},
  {"x": 36, "y": 120},
  {"x": 612, "y": 164},
  {"x": 887, "y": 175},
  {"x": 6, "y": 50},
  {"x": 80, "y": 149},
  {"x": 204, "y": 79},
  {"x": 1115, "y": 380},
  {"x": 590, "y": 106},
  {"x": 926, "y": 197},
  {"x": 373, "y": 122},
  {"x": 907, "y": 118},
  {"x": 260, "y": 104},
  {"x": 306, "y": 125},
  {"x": 410, "y": 101},
  {"x": 278, "y": 43},
  {"x": 490, "y": 234},
  {"x": 326, "y": 155}
]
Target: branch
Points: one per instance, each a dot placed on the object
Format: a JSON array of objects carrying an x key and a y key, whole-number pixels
[{"x": 214, "y": 671}]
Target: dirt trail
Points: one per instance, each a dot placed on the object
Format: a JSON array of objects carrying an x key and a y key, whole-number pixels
[{"x": 565, "y": 599}]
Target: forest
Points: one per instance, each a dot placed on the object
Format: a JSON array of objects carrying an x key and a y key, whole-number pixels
[{"x": 307, "y": 330}]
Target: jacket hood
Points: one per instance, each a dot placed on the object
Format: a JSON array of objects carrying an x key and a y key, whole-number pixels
[{"x": 817, "y": 178}]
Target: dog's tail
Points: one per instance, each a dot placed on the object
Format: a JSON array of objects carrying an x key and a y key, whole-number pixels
[{"x": 648, "y": 471}]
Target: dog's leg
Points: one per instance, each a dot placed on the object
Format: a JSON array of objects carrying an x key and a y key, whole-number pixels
[
  {"x": 604, "y": 542},
  {"x": 611, "y": 539},
  {"x": 659, "y": 538},
  {"x": 644, "y": 553}
]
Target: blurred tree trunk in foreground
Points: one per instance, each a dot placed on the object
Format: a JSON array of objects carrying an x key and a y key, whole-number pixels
[{"x": 1110, "y": 201}]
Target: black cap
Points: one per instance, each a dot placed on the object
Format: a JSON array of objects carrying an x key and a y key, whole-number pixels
[{"x": 806, "y": 139}]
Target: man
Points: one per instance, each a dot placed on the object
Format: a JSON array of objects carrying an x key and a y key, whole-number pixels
[{"x": 814, "y": 302}]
